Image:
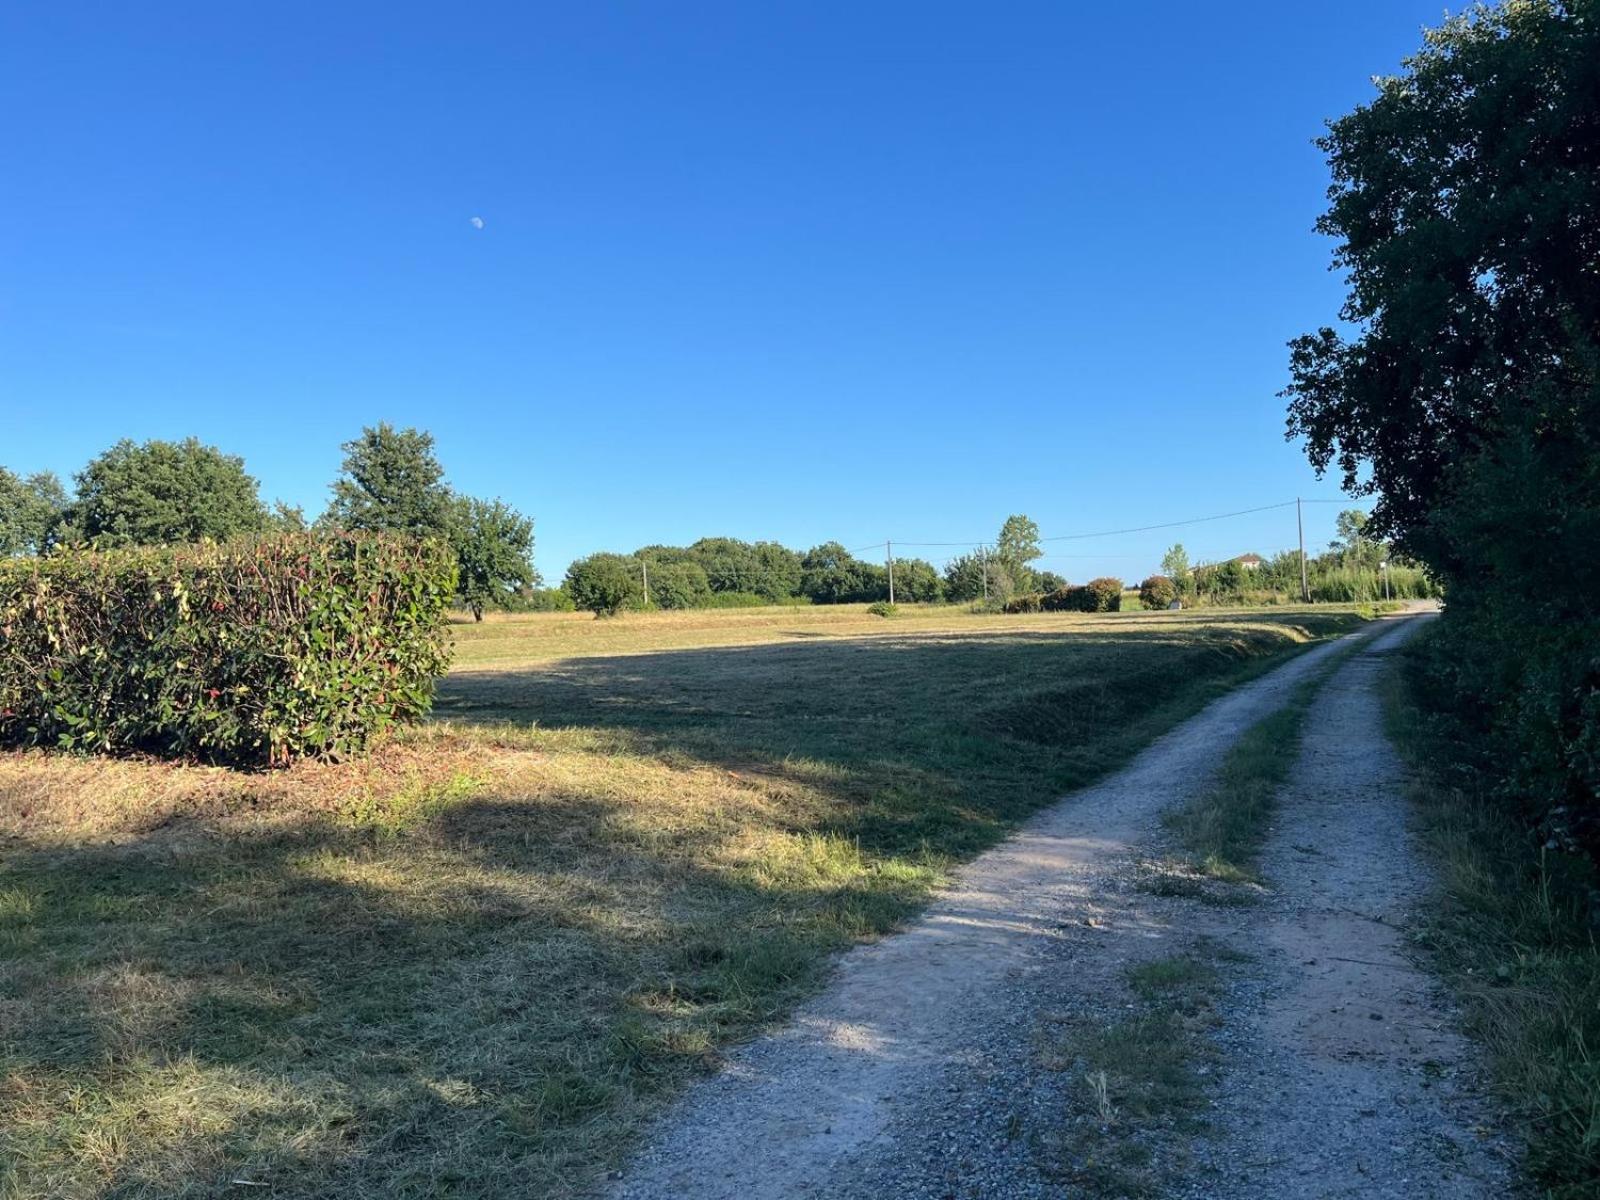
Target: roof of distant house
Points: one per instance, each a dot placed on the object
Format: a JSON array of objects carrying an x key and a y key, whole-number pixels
[{"x": 1250, "y": 559}]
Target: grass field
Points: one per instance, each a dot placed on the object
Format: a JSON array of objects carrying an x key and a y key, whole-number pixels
[{"x": 468, "y": 965}]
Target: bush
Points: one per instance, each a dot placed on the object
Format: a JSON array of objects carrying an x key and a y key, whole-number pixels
[
  {"x": 678, "y": 585},
  {"x": 883, "y": 608},
  {"x": 1028, "y": 602},
  {"x": 1157, "y": 592},
  {"x": 734, "y": 600},
  {"x": 535, "y": 599},
  {"x": 251, "y": 652},
  {"x": 605, "y": 584},
  {"x": 1065, "y": 599},
  {"x": 1105, "y": 594}
]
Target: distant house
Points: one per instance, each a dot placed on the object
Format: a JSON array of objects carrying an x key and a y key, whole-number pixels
[{"x": 1250, "y": 562}]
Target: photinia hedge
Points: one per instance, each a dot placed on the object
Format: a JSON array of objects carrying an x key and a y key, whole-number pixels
[{"x": 251, "y": 652}]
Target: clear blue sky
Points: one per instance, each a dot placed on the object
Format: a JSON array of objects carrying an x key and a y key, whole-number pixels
[{"x": 800, "y": 271}]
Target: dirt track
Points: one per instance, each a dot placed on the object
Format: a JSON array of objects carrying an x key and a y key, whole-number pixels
[{"x": 918, "y": 1071}]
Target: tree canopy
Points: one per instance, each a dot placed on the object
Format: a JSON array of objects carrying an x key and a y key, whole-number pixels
[
  {"x": 494, "y": 552},
  {"x": 155, "y": 492},
  {"x": 391, "y": 482},
  {"x": 30, "y": 510}
]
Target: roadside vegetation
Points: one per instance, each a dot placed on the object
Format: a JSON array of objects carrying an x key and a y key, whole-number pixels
[
  {"x": 1514, "y": 932},
  {"x": 1142, "y": 1078},
  {"x": 469, "y": 963}
]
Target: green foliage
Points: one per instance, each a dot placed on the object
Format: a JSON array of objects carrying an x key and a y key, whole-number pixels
[
  {"x": 540, "y": 599},
  {"x": 1104, "y": 594},
  {"x": 30, "y": 510},
  {"x": 830, "y": 574},
  {"x": 1157, "y": 592},
  {"x": 1466, "y": 204},
  {"x": 494, "y": 552},
  {"x": 1027, "y": 602},
  {"x": 917, "y": 582},
  {"x": 963, "y": 578},
  {"x": 605, "y": 584},
  {"x": 1175, "y": 563},
  {"x": 253, "y": 651},
  {"x": 391, "y": 482},
  {"x": 1048, "y": 581},
  {"x": 679, "y": 585},
  {"x": 1017, "y": 546},
  {"x": 883, "y": 608},
  {"x": 158, "y": 493}
]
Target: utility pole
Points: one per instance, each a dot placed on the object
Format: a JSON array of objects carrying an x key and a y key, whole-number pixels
[
  {"x": 1300, "y": 521},
  {"x": 888, "y": 554},
  {"x": 983, "y": 565},
  {"x": 645, "y": 564}
]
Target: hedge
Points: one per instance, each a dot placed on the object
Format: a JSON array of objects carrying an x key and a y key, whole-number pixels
[
  {"x": 1096, "y": 596},
  {"x": 250, "y": 652}
]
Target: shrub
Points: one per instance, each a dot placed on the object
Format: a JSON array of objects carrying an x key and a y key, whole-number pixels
[
  {"x": 734, "y": 600},
  {"x": 256, "y": 651},
  {"x": 1104, "y": 594},
  {"x": 605, "y": 584},
  {"x": 537, "y": 599},
  {"x": 1064, "y": 599},
  {"x": 678, "y": 585},
  {"x": 1028, "y": 602},
  {"x": 1157, "y": 592},
  {"x": 883, "y": 608}
]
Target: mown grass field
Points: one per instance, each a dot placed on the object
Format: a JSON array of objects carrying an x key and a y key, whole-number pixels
[{"x": 471, "y": 963}]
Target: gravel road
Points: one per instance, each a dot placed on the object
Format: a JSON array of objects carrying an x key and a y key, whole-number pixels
[{"x": 920, "y": 1070}]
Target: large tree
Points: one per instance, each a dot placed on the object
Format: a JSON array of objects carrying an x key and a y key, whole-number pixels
[
  {"x": 1018, "y": 546},
  {"x": 155, "y": 492},
  {"x": 1466, "y": 208},
  {"x": 1464, "y": 389},
  {"x": 494, "y": 552},
  {"x": 30, "y": 510},
  {"x": 391, "y": 482}
]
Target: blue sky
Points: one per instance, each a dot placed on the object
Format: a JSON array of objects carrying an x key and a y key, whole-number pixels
[{"x": 802, "y": 271}]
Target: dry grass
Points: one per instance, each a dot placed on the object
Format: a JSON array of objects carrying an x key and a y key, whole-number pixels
[{"x": 467, "y": 965}]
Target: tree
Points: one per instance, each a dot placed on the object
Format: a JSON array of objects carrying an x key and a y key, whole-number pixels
[
  {"x": 30, "y": 510},
  {"x": 1017, "y": 546},
  {"x": 830, "y": 574},
  {"x": 494, "y": 552},
  {"x": 1175, "y": 563},
  {"x": 916, "y": 581},
  {"x": 604, "y": 584},
  {"x": 158, "y": 492},
  {"x": 678, "y": 585},
  {"x": 391, "y": 482},
  {"x": 1465, "y": 394}
]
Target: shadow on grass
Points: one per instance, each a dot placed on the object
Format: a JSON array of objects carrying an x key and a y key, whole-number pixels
[{"x": 481, "y": 1003}]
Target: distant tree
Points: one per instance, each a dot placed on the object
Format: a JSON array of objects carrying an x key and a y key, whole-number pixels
[
  {"x": 286, "y": 518},
  {"x": 830, "y": 574},
  {"x": 916, "y": 581},
  {"x": 678, "y": 585},
  {"x": 778, "y": 570},
  {"x": 604, "y": 584},
  {"x": 30, "y": 510},
  {"x": 964, "y": 578},
  {"x": 391, "y": 482},
  {"x": 1175, "y": 563},
  {"x": 1017, "y": 546},
  {"x": 1049, "y": 581},
  {"x": 158, "y": 492},
  {"x": 494, "y": 552}
]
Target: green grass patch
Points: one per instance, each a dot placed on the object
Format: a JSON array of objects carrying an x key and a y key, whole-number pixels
[
  {"x": 1222, "y": 828},
  {"x": 469, "y": 965},
  {"x": 1144, "y": 1080},
  {"x": 1513, "y": 934}
]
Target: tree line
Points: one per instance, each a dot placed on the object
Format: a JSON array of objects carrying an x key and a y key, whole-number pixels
[
  {"x": 162, "y": 493},
  {"x": 723, "y": 572}
]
